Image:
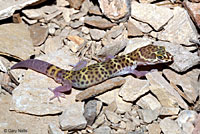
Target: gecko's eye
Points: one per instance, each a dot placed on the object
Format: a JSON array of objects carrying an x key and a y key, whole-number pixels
[{"x": 159, "y": 57}]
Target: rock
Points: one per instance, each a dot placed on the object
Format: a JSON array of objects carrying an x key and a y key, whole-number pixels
[
  {"x": 99, "y": 22},
  {"x": 75, "y": 3},
  {"x": 130, "y": 126},
  {"x": 193, "y": 10},
  {"x": 148, "y": 115},
  {"x": 72, "y": 118},
  {"x": 141, "y": 26},
  {"x": 34, "y": 14},
  {"x": 169, "y": 111},
  {"x": 53, "y": 129},
  {"x": 156, "y": 16},
  {"x": 99, "y": 121},
  {"x": 103, "y": 130},
  {"x": 115, "y": 10},
  {"x": 62, "y": 3},
  {"x": 111, "y": 48},
  {"x": 76, "y": 24},
  {"x": 149, "y": 102},
  {"x": 186, "y": 116},
  {"x": 112, "y": 117},
  {"x": 154, "y": 128},
  {"x": 49, "y": 17},
  {"x": 73, "y": 46},
  {"x": 29, "y": 21},
  {"x": 183, "y": 62},
  {"x": 85, "y": 30},
  {"x": 165, "y": 93},
  {"x": 188, "y": 128},
  {"x": 197, "y": 125},
  {"x": 53, "y": 44},
  {"x": 11, "y": 6},
  {"x": 95, "y": 10},
  {"x": 76, "y": 39},
  {"x": 169, "y": 126},
  {"x": 91, "y": 112},
  {"x": 33, "y": 89},
  {"x": 188, "y": 84},
  {"x": 97, "y": 34},
  {"x": 109, "y": 96},
  {"x": 67, "y": 13},
  {"x": 22, "y": 123},
  {"x": 133, "y": 88},
  {"x": 133, "y": 30},
  {"x": 138, "y": 42},
  {"x": 181, "y": 34},
  {"x": 122, "y": 106},
  {"x": 16, "y": 40},
  {"x": 38, "y": 34},
  {"x": 115, "y": 31}
]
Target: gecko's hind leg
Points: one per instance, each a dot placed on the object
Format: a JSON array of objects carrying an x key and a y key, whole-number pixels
[
  {"x": 59, "y": 91},
  {"x": 81, "y": 64}
]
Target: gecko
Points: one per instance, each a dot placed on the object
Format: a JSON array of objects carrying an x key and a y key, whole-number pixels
[{"x": 86, "y": 76}]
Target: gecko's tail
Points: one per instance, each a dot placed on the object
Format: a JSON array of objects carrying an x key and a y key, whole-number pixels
[{"x": 41, "y": 67}]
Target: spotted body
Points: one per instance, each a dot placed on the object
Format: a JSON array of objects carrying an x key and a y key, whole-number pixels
[{"x": 96, "y": 73}]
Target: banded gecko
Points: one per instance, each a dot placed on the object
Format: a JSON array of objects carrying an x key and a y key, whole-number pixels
[{"x": 93, "y": 74}]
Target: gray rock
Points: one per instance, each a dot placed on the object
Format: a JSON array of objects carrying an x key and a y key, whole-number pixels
[
  {"x": 112, "y": 117},
  {"x": 103, "y": 130},
  {"x": 97, "y": 34},
  {"x": 148, "y": 115}
]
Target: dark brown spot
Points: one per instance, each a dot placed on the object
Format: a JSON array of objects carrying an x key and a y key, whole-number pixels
[
  {"x": 118, "y": 66},
  {"x": 110, "y": 72},
  {"x": 59, "y": 74},
  {"x": 86, "y": 82},
  {"x": 82, "y": 82},
  {"x": 96, "y": 72},
  {"x": 88, "y": 76},
  {"x": 96, "y": 79},
  {"x": 99, "y": 76},
  {"x": 84, "y": 70},
  {"x": 84, "y": 77},
  {"x": 91, "y": 72},
  {"x": 52, "y": 72},
  {"x": 92, "y": 81},
  {"x": 123, "y": 65}
]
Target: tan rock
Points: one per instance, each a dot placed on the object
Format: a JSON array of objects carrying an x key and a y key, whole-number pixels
[
  {"x": 115, "y": 10},
  {"x": 156, "y": 16},
  {"x": 75, "y": 3},
  {"x": 181, "y": 34},
  {"x": 149, "y": 102},
  {"x": 133, "y": 88},
  {"x": 76, "y": 39},
  {"x": 33, "y": 13},
  {"x": 148, "y": 115},
  {"x": 72, "y": 117},
  {"x": 52, "y": 44},
  {"x": 154, "y": 128},
  {"x": 165, "y": 93},
  {"x": 112, "y": 117},
  {"x": 169, "y": 111},
  {"x": 122, "y": 106},
  {"x": 38, "y": 34},
  {"x": 189, "y": 85},
  {"x": 95, "y": 10},
  {"x": 53, "y": 129},
  {"x": 99, "y": 22},
  {"x": 9, "y": 7},
  {"x": 133, "y": 30}
]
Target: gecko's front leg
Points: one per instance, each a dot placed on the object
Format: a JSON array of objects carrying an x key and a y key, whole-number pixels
[{"x": 59, "y": 91}]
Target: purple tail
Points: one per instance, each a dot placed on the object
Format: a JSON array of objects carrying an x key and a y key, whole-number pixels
[{"x": 34, "y": 64}]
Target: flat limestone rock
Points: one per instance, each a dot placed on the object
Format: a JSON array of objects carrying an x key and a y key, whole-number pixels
[
  {"x": 165, "y": 93},
  {"x": 133, "y": 88},
  {"x": 180, "y": 28},
  {"x": 15, "y": 39},
  {"x": 72, "y": 117},
  {"x": 156, "y": 16},
  {"x": 8, "y": 7},
  {"x": 32, "y": 95},
  {"x": 190, "y": 85},
  {"x": 183, "y": 59},
  {"x": 149, "y": 102}
]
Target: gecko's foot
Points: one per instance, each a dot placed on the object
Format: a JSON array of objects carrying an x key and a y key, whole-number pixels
[
  {"x": 56, "y": 94},
  {"x": 81, "y": 64}
]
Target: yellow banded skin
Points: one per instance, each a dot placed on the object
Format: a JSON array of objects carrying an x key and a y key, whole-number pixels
[{"x": 119, "y": 65}]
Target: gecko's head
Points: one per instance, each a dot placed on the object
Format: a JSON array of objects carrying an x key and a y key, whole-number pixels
[{"x": 152, "y": 54}]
